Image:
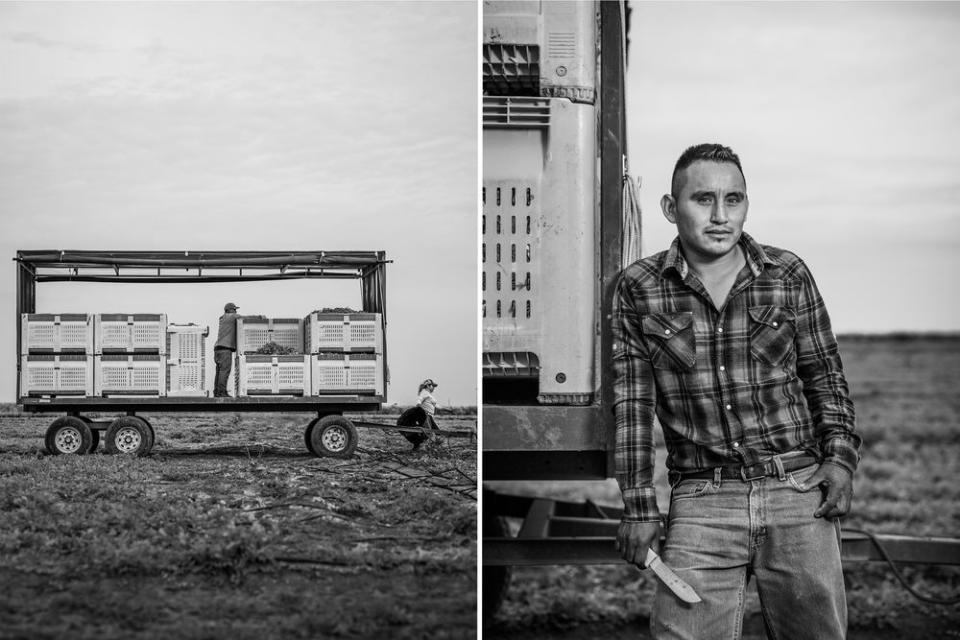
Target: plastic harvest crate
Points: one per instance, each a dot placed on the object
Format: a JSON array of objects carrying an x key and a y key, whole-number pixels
[
  {"x": 56, "y": 333},
  {"x": 186, "y": 342},
  {"x": 343, "y": 332},
  {"x": 130, "y": 333},
  {"x": 273, "y": 375},
  {"x": 186, "y": 379},
  {"x": 186, "y": 360},
  {"x": 56, "y": 375},
  {"x": 360, "y": 373},
  {"x": 130, "y": 375},
  {"x": 253, "y": 333}
]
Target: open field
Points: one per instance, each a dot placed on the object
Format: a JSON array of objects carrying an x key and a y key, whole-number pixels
[
  {"x": 907, "y": 396},
  {"x": 231, "y": 529}
]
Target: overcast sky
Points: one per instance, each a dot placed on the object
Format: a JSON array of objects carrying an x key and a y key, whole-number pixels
[
  {"x": 846, "y": 117},
  {"x": 261, "y": 126},
  {"x": 353, "y": 126}
]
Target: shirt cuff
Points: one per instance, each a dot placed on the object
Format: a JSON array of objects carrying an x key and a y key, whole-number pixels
[
  {"x": 640, "y": 505},
  {"x": 842, "y": 452}
]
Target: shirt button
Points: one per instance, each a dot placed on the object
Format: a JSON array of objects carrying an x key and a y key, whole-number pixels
[
  {"x": 666, "y": 331},
  {"x": 729, "y": 407},
  {"x": 736, "y": 445},
  {"x": 722, "y": 368},
  {"x": 774, "y": 324},
  {"x": 719, "y": 329}
]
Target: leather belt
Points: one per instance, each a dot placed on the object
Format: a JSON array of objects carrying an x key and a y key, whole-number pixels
[{"x": 771, "y": 467}]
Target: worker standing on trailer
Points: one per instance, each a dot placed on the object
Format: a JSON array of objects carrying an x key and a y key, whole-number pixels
[
  {"x": 728, "y": 342},
  {"x": 224, "y": 349}
]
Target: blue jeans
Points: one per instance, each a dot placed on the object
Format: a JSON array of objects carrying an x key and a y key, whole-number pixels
[
  {"x": 721, "y": 532},
  {"x": 223, "y": 358}
]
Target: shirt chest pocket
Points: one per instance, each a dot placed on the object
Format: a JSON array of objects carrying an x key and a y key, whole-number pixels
[
  {"x": 671, "y": 340},
  {"x": 772, "y": 330}
]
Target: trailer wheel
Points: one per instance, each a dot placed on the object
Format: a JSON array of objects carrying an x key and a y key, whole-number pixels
[
  {"x": 67, "y": 435},
  {"x": 308, "y": 436},
  {"x": 413, "y": 417},
  {"x": 333, "y": 437},
  {"x": 153, "y": 434},
  {"x": 129, "y": 435}
]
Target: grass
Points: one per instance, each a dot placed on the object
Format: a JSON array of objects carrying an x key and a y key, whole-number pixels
[
  {"x": 908, "y": 412},
  {"x": 231, "y": 529}
]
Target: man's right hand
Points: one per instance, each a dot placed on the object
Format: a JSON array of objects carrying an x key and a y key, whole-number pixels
[{"x": 634, "y": 538}]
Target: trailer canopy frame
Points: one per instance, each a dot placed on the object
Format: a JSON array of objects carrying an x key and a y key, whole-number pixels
[{"x": 156, "y": 267}]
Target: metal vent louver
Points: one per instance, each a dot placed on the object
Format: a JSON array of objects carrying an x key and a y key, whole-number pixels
[
  {"x": 516, "y": 113},
  {"x": 511, "y": 69},
  {"x": 562, "y": 45},
  {"x": 507, "y": 364}
]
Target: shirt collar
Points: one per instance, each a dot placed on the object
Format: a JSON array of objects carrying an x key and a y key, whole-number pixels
[{"x": 756, "y": 257}]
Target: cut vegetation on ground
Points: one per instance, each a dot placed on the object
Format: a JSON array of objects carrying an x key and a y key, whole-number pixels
[{"x": 231, "y": 529}]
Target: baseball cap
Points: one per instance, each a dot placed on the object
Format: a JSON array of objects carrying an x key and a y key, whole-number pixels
[
  {"x": 429, "y": 383},
  {"x": 230, "y": 307}
]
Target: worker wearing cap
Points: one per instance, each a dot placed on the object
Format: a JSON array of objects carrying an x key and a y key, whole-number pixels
[
  {"x": 427, "y": 402},
  {"x": 224, "y": 349}
]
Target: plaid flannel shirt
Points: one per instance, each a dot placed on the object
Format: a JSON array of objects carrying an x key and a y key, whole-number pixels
[{"x": 759, "y": 377}]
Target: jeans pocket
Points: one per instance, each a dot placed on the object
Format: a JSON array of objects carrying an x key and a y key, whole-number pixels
[
  {"x": 799, "y": 476},
  {"x": 671, "y": 340},
  {"x": 771, "y": 333},
  {"x": 686, "y": 489}
]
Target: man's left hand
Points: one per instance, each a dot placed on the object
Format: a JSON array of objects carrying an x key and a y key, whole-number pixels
[{"x": 837, "y": 485}]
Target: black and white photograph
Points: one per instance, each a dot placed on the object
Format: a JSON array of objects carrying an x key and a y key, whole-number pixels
[
  {"x": 239, "y": 397},
  {"x": 720, "y": 344}
]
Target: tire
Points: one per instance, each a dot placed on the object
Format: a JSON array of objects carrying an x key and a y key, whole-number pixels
[
  {"x": 496, "y": 579},
  {"x": 68, "y": 435},
  {"x": 129, "y": 435},
  {"x": 308, "y": 435},
  {"x": 153, "y": 434},
  {"x": 413, "y": 417},
  {"x": 333, "y": 437}
]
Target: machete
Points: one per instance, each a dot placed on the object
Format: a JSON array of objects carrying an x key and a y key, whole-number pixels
[{"x": 680, "y": 588}]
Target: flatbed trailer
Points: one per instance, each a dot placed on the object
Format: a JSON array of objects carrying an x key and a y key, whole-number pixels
[{"x": 330, "y": 433}]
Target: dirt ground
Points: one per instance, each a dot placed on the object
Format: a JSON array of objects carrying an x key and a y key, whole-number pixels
[{"x": 231, "y": 529}]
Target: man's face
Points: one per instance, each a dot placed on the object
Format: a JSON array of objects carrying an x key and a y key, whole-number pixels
[{"x": 709, "y": 210}]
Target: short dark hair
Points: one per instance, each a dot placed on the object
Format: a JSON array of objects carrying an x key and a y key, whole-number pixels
[{"x": 710, "y": 151}]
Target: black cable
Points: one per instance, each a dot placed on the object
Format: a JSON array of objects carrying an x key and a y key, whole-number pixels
[{"x": 883, "y": 552}]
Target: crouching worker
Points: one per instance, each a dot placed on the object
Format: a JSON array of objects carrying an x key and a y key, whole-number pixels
[
  {"x": 428, "y": 403},
  {"x": 224, "y": 349},
  {"x": 420, "y": 415}
]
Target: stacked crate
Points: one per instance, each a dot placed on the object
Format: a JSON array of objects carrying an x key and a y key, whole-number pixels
[
  {"x": 254, "y": 331},
  {"x": 346, "y": 352},
  {"x": 276, "y": 375},
  {"x": 265, "y": 374},
  {"x": 186, "y": 360},
  {"x": 130, "y": 354},
  {"x": 56, "y": 354}
]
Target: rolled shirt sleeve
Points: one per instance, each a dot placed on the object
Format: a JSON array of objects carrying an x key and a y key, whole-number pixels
[
  {"x": 824, "y": 384},
  {"x": 634, "y": 406}
]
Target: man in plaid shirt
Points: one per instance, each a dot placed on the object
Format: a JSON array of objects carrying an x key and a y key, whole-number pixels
[{"x": 728, "y": 343}]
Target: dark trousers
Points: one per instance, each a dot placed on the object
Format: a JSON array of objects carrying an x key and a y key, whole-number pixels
[{"x": 224, "y": 361}]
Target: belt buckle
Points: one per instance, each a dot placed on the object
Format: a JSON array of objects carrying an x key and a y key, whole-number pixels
[{"x": 743, "y": 472}]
